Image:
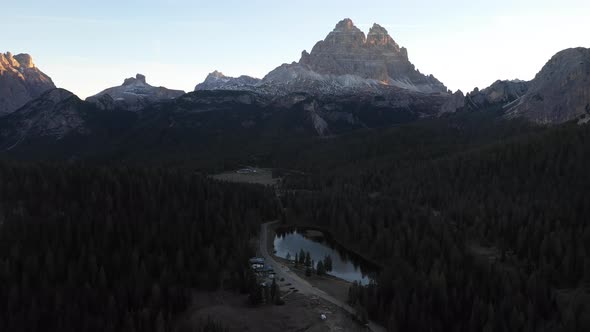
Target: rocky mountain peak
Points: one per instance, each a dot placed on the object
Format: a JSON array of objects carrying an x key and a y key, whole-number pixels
[
  {"x": 377, "y": 58},
  {"x": 133, "y": 95},
  {"x": 25, "y": 60},
  {"x": 499, "y": 93},
  {"x": 345, "y": 62},
  {"x": 345, "y": 34},
  {"x": 378, "y": 36},
  {"x": 20, "y": 81},
  {"x": 139, "y": 78},
  {"x": 218, "y": 81},
  {"x": 345, "y": 25},
  {"x": 560, "y": 92},
  {"x": 216, "y": 74},
  {"x": 6, "y": 60},
  {"x": 22, "y": 60}
]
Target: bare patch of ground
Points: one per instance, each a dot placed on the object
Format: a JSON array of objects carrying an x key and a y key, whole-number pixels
[
  {"x": 260, "y": 176},
  {"x": 300, "y": 313},
  {"x": 333, "y": 286}
]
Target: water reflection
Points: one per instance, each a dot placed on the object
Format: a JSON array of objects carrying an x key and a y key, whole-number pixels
[{"x": 318, "y": 246}]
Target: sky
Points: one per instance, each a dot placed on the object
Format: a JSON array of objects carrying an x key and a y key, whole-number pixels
[{"x": 87, "y": 46}]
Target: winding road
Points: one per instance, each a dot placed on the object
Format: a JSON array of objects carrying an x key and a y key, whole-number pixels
[{"x": 302, "y": 286}]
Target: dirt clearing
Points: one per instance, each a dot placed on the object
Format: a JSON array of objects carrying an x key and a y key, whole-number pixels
[
  {"x": 300, "y": 313},
  {"x": 248, "y": 175}
]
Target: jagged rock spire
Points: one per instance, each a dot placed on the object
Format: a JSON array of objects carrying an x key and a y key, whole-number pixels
[
  {"x": 378, "y": 36},
  {"x": 346, "y": 51},
  {"x": 139, "y": 78}
]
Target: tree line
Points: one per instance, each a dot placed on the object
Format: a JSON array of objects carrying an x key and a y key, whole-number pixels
[{"x": 303, "y": 259}]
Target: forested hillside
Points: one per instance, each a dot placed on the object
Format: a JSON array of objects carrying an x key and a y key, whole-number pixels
[
  {"x": 490, "y": 238},
  {"x": 118, "y": 249},
  {"x": 480, "y": 223}
]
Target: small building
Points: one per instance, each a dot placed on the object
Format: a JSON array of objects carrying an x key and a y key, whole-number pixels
[
  {"x": 247, "y": 170},
  {"x": 257, "y": 264},
  {"x": 257, "y": 267}
]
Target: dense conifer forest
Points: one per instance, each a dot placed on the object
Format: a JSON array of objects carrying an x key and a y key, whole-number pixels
[
  {"x": 118, "y": 249},
  {"x": 480, "y": 224},
  {"x": 491, "y": 238}
]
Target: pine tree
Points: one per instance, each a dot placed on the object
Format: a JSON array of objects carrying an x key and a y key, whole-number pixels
[
  {"x": 301, "y": 257},
  {"x": 328, "y": 263},
  {"x": 320, "y": 268},
  {"x": 307, "y": 259}
]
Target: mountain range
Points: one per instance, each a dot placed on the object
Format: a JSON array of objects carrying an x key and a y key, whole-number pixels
[
  {"x": 345, "y": 62},
  {"x": 347, "y": 81}
]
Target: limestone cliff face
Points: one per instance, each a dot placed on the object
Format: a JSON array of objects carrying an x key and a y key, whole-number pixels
[
  {"x": 560, "y": 92},
  {"x": 133, "y": 95},
  {"x": 499, "y": 93},
  {"x": 345, "y": 62},
  {"x": 20, "y": 82},
  {"x": 346, "y": 51},
  {"x": 454, "y": 103}
]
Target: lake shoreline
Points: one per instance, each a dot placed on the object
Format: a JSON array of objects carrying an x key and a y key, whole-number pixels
[
  {"x": 332, "y": 285},
  {"x": 349, "y": 267},
  {"x": 378, "y": 267}
]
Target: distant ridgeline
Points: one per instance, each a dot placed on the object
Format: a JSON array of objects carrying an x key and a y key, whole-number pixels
[{"x": 348, "y": 82}]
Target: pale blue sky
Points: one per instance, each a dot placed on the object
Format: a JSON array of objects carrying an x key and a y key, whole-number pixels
[{"x": 86, "y": 46}]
